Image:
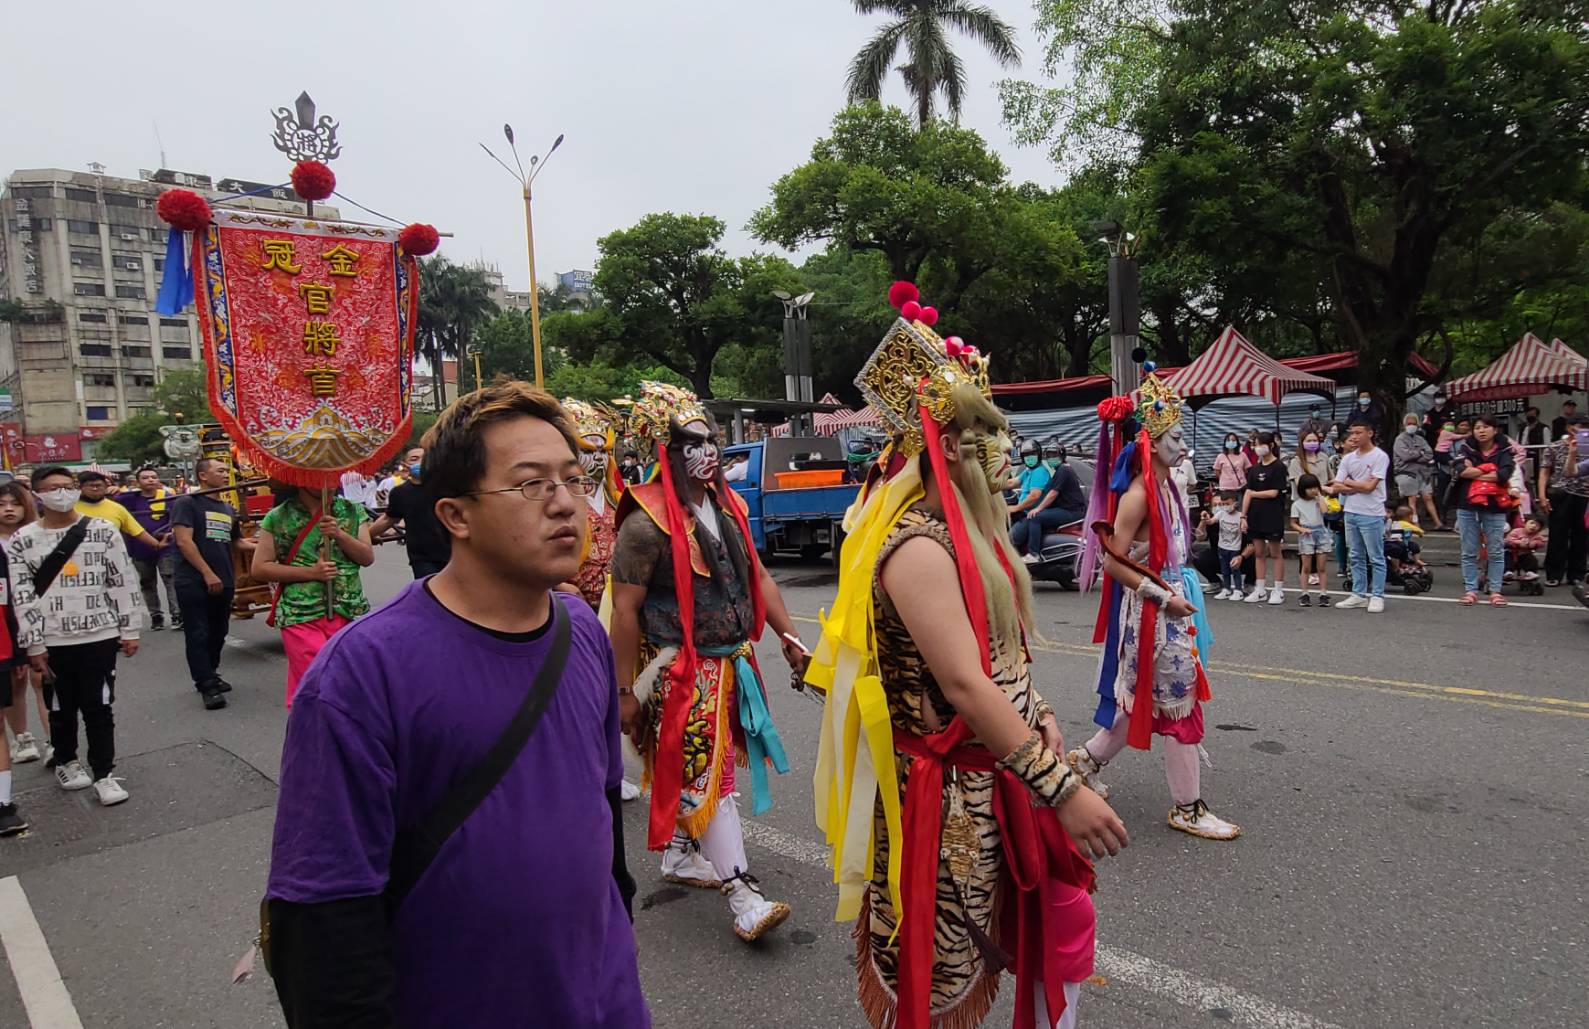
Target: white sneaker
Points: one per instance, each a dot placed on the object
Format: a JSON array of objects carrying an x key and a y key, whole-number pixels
[
  {"x": 1196, "y": 819},
  {"x": 628, "y": 790},
  {"x": 1277, "y": 595},
  {"x": 25, "y": 748},
  {"x": 754, "y": 914},
  {"x": 1257, "y": 594},
  {"x": 1355, "y": 600},
  {"x": 683, "y": 864},
  {"x": 1313, "y": 580},
  {"x": 72, "y": 776},
  {"x": 1031, "y": 559},
  {"x": 110, "y": 791},
  {"x": 1222, "y": 594},
  {"x": 1376, "y": 605},
  {"x": 1236, "y": 596}
]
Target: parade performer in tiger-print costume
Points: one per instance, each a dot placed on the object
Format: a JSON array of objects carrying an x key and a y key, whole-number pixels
[
  {"x": 689, "y": 597},
  {"x": 940, "y": 783}
]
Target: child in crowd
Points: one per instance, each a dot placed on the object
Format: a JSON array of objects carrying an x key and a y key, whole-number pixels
[
  {"x": 1401, "y": 540},
  {"x": 1227, "y": 543},
  {"x": 1525, "y": 544},
  {"x": 1314, "y": 540},
  {"x": 16, "y": 508}
]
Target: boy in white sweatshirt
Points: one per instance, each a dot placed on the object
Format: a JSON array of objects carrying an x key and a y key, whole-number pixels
[{"x": 75, "y": 611}]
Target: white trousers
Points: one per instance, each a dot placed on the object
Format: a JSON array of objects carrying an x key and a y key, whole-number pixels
[
  {"x": 723, "y": 842},
  {"x": 1067, "y": 1020},
  {"x": 1180, "y": 759}
]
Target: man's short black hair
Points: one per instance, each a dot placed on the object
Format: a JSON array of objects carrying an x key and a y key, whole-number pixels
[
  {"x": 86, "y": 477},
  {"x": 40, "y": 474},
  {"x": 455, "y": 450},
  {"x": 203, "y": 465}
]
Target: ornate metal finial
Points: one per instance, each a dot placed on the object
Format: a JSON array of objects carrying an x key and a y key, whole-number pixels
[{"x": 301, "y": 137}]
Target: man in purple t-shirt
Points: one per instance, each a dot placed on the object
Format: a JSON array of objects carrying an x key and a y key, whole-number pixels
[
  {"x": 150, "y": 507},
  {"x": 504, "y": 928}
]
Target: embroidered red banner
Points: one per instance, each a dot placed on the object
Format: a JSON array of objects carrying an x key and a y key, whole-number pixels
[{"x": 308, "y": 329}]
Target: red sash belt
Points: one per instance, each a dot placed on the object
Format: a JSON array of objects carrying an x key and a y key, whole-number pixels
[{"x": 1039, "y": 856}]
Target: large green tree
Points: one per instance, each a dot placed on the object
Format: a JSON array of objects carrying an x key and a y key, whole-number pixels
[
  {"x": 672, "y": 297},
  {"x": 137, "y": 440},
  {"x": 1356, "y": 150},
  {"x": 931, "y": 65},
  {"x": 454, "y": 302}
]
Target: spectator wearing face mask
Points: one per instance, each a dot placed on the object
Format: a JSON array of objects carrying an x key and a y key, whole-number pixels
[
  {"x": 1368, "y": 412},
  {"x": 1230, "y": 466},
  {"x": 1483, "y": 464},
  {"x": 1032, "y": 478},
  {"x": 630, "y": 469},
  {"x": 1316, "y": 424},
  {"x": 1415, "y": 470},
  {"x": 1264, "y": 518},
  {"x": 1436, "y": 417},
  {"x": 1062, "y": 503},
  {"x": 1558, "y": 426}
]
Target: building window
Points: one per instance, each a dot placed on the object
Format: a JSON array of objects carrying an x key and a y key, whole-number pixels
[
  {"x": 120, "y": 200},
  {"x": 126, "y": 262},
  {"x": 87, "y": 196},
  {"x": 127, "y": 351},
  {"x": 124, "y": 231},
  {"x": 98, "y": 379},
  {"x": 143, "y": 380},
  {"x": 159, "y": 264},
  {"x": 133, "y": 318},
  {"x": 87, "y": 259},
  {"x": 157, "y": 235},
  {"x": 174, "y": 323},
  {"x": 86, "y": 228},
  {"x": 129, "y": 292},
  {"x": 91, "y": 316},
  {"x": 177, "y": 353},
  {"x": 89, "y": 289},
  {"x": 98, "y": 414},
  {"x": 32, "y": 192},
  {"x": 42, "y": 224},
  {"x": 94, "y": 349}
]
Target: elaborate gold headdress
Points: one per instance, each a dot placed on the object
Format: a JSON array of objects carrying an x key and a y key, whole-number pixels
[
  {"x": 1158, "y": 406},
  {"x": 661, "y": 406},
  {"x": 591, "y": 420},
  {"x": 913, "y": 365}
]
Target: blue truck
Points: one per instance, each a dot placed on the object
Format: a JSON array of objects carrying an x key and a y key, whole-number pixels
[{"x": 803, "y": 520}]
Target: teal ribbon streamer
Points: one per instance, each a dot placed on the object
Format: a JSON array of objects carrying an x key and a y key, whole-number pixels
[
  {"x": 761, "y": 736},
  {"x": 1192, "y": 587}
]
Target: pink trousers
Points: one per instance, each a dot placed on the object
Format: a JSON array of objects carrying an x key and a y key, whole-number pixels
[{"x": 302, "y": 642}]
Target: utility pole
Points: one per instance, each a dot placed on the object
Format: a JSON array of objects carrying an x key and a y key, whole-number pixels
[
  {"x": 797, "y": 376},
  {"x": 1125, "y": 306}
]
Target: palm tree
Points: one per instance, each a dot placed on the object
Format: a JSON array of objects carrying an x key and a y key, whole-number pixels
[
  {"x": 453, "y": 302},
  {"x": 933, "y": 64}
]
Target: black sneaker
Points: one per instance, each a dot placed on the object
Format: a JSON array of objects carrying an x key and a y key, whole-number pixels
[
  {"x": 1324, "y": 600},
  {"x": 156, "y": 623},
  {"x": 221, "y": 685},
  {"x": 213, "y": 701},
  {"x": 1306, "y": 600},
  {"x": 176, "y": 623},
  {"x": 11, "y": 823}
]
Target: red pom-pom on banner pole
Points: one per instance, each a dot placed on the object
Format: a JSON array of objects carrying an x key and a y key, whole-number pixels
[
  {"x": 910, "y": 310},
  {"x": 183, "y": 209},
  {"x": 313, "y": 180},
  {"x": 903, "y": 292},
  {"x": 419, "y": 239},
  {"x": 929, "y": 316}
]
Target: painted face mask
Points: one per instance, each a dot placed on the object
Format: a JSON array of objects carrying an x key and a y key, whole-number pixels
[
  {"x": 1170, "y": 448},
  {"x": 701, "y": 459},
  {"x": 593, "y": 462},
  {"x": 993, "y": 456}
]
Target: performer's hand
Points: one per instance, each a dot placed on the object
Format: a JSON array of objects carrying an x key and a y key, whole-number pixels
[
  {"x": 1092, "y": 823},
  {"x": 628, "y": 711},
  {"x": 1053, "y": 739},
  {"x": 323, "y": 571},
  {"x": 796, "y": 657},
  {"x": 1180, "y": 607},
  {"x": 329, "y": 527}
]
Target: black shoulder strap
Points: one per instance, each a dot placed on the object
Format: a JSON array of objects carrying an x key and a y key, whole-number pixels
[
  {"x": 56, "y": 559},
  {"x": 414, "y": 849}
]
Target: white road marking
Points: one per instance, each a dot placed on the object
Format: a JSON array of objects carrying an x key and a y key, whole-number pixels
[
  {"x": 1116, "y": 963},
  {"x": 44, "y": 996},
  {"x": 1483, "y": 600}
]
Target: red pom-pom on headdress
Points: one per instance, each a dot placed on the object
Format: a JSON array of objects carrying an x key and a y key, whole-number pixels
[
  {"x": 419, "y": 239},
  {"x": 929, "y": 316},
  {"x": 1115, "y": 409},
  {"x": 183, "y": 209},
  {"x": 313, "y": 180},
  {"x": 910, "y": 310},
  {"x": 902, "y": 292}
]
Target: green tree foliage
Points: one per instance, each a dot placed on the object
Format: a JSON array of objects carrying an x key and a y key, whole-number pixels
[
  {"x": 454, "y": 302},
  {"x": 671, "y": 297},
  {"x": 137, "y": 440},
  {"x": 931, "y": 64},
  {"x": 1349, "y": 169}
]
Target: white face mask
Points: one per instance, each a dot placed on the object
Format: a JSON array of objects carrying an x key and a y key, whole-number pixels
[
  {"x": 1411, "y": 430},
  {"x": 1262, "y": 450},
  {"x": 60, "y": 500}
]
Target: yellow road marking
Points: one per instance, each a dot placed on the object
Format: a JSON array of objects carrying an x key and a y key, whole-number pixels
[{"x": 1395, "y": 687}]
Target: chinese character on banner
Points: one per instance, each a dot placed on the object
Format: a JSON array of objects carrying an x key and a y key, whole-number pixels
[{"x": 311, "y": 377}]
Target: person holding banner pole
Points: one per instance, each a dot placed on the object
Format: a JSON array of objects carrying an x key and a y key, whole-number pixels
[{"x": 315, "y": 556}]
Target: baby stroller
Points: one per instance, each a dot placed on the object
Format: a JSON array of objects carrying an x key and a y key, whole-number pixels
[
  {"x": 1401, "y": 568},
  {"x": 1522, "y": 568}
]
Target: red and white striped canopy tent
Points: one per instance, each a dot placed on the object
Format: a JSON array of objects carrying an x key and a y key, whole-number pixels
[
  {"x": 1568, "y": 352},
  {"x": 1529, "y": 367},
  {"x": 1233, "y": 367},
  {"x": 831, "y": 423}
]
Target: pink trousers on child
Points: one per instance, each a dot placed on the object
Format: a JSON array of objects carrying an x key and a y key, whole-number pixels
[{"x": 302, "y": 642}]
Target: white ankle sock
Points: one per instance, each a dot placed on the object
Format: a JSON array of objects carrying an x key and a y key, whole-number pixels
[
  {"x": 5, "y": 783},
  {"x": 1258, "y": 584}
]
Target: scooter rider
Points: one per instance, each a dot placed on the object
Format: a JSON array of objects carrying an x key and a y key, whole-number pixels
[{"x": 1062, "y": 503}]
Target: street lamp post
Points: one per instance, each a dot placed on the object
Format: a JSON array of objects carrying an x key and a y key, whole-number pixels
[
  {"x": 797, "y": 377},
  {"x": 526, "y": 181},
  {"x": 1125, "y": 305}
]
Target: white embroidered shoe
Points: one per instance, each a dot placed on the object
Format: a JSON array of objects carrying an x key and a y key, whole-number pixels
[
  {"x": 1196, "y": 819},
  {"x": 1088, "y": 767},
  {"x": 683, "y": 864},
  {"x": 754, "y": 914},
  {"x": 628, "y": 790}
]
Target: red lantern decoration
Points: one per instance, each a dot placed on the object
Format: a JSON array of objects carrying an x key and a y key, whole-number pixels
[
  {"x": 910, "y": 310},
  {"x": 902, "y": 292},
  {"x": 183, "y": 209},
  {"x": 419, "y": 239},
  {"x": 313, "y": 180}
]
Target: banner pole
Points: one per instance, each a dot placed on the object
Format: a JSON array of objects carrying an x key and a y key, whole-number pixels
[{"x": 325, "y": 552}]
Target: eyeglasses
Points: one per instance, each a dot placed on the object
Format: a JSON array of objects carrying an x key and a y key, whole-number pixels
[{"x": 541, "y": 490}]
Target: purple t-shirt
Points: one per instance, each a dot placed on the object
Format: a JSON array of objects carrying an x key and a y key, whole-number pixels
[
  {"x": 154, "y": 514},
  {"x": 519, "y": 911}
]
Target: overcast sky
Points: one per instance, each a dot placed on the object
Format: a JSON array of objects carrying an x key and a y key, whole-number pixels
[{"x": 692, "y": 106}]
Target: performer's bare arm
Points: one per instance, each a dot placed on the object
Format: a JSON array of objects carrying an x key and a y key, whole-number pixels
[
  {"x": 782, "y": 624},
  {"x": 1130, "y": 519},
  {"x": 920, "y": 578}
]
